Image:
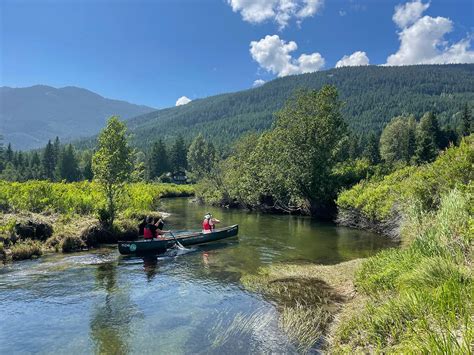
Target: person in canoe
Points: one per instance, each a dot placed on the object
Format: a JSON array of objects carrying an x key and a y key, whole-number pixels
[
  {"x": 153, "y": 228},
  {"x": 209, "y": 223},
  {"x": 158, "y": 222}
]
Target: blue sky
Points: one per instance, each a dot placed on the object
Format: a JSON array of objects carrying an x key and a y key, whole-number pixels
[{"x": 153, "y": 52}]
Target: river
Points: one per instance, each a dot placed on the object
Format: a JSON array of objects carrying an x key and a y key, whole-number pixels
[{"x": 185, "y": 302}]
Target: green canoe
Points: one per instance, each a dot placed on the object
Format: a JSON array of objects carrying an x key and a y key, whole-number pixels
[{"x": 189, "y": 238}]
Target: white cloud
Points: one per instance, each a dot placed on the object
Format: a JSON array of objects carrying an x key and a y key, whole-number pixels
[
  {"x": 407, "y": 14},
  {"x": 281, "y": 11},
  {"x": 355, "y": 59},
  {"x": 422, "y": 39},
  {"x": 273, "y": 54},
  {"x": 342, "y": 13},
  {"x": 258, "y": 82},
  {"x": 183, "y": 100}
]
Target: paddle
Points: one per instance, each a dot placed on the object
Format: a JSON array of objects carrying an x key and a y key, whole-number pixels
[{"x": 180, "y": 246}]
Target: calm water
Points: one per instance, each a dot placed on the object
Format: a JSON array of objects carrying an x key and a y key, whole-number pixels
[{"x": 190, "y": 302}]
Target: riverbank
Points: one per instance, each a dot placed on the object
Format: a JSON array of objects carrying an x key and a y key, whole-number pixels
[
  {"x": 40, "y": 216},
  {"x": 416, "y": 298}
]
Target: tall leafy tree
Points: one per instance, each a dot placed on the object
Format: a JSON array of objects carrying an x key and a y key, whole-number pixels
[
  {"x": 49, "y": 161},
  {"x": 427, "y": 139},
  {"x": 159, "y": 161},
  {"x": 303, "y": 150},
  {"x": 178, "y": 155},
  {"x": 112, "y": 163},
  {"x": 397, "y": 140},
  {"x": 68, "y": 165}
]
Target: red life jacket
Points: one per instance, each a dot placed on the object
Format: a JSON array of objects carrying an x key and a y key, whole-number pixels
[
  {"x": 147, "y": 233},
  {"x": 206, "y": 225}
]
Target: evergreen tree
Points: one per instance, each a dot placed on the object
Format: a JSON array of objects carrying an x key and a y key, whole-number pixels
[
  {"x": 466, "y": 121},
  {"x": 9, "y": 154},
  {"x": 68, "y": 166},
  {"x": 9, "y": 173},
  {"x": 57, "y": 150},
  {"x": 35, "y": 171},
  {"x": 158, "y": 162},
  {"x": 49, "y": 163},
  {"x": 178, "y": 155},
  {"x": 427, "y": 138},
  {"x": 2, "y": 154},
  {"x": 87, "y": 166},
  {"x": 371, "y": 149}
]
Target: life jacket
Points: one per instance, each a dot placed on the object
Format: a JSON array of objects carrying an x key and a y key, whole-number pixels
[
  {"x": 147, "y": 233},
  {"x": 206, "y": 225}
]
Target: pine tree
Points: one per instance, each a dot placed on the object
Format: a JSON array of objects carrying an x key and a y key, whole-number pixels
[
  {"x": 9, "y": 154},
  {"x": 68, "y": 166},
  {"x": 158, "y": 162},
  {"x": 428, "y": 136},
  {"x": 178, "y": 156},
  {"x": 371, "y": 149},
  {"x": 466, "y": 121},
  {"x": 2, "y": 154},
  {"x": 35, "y": 171},
  {"x": 87, "y": 166},
  {"x": 49, "y": 164},
  {"x": 57, "y": 150}
]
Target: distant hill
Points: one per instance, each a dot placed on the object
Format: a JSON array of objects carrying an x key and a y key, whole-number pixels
[
  {"x": 373, "y": 95},
  {"x": 32, "y": 115}
]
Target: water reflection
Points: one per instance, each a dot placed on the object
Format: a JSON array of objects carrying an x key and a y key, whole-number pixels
[
  {"x": 150, "y": 266},
  {"x": 112, "y": 315}
]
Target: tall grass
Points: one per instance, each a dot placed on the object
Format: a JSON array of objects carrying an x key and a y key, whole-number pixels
[
  {"x": 421, "y": 295},
  {"x": 81, "y": 197}
]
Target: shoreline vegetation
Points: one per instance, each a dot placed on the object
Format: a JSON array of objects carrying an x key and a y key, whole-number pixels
[
  {"x": 42, "y": 216},
  {"x": 416, "y": 298}
]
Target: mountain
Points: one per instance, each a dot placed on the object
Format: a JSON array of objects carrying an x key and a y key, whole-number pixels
[
  {"x": 372, "y": 96},
  {"x": 32, "y": 115}
]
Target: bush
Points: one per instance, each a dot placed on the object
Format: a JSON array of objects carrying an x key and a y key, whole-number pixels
[
  {"x": 26, "y": 250},
  {"x": 378, "y": 201}
]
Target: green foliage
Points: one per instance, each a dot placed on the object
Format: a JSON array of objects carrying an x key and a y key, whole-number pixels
[
  {"x": 178, "y": 155},
  {"x": 427, "y": 139},
  {"x": 68, "y": 165},
  {"x": 159, "y": 161},
  {"x": 49, "y": 161},
  {"x": 201, "y": 157},
  {"x": 112, "y": 163},
  {"x": 421, "y": 295},
  {"x": 82, "y": 197},
  {"x": 397, "y": 140},
  {"x": 291, "y": 166},
  {"x": 466, "y": 121},
  {"x": 381, "y": 199}
]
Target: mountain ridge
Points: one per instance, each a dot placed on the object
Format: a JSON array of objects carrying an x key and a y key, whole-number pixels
[{"x": 30, "y": 116}]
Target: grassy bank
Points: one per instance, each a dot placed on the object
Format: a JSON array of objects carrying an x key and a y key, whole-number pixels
[
  {"x": 40, "y": 216},
  {"x": 380, "y": 204},
  {"x": 413, "y": 299}
]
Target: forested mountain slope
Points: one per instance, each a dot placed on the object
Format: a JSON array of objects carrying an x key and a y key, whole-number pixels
[
  {"x": 30, "y": 116},
  {"x": 373, "y": 95}
]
